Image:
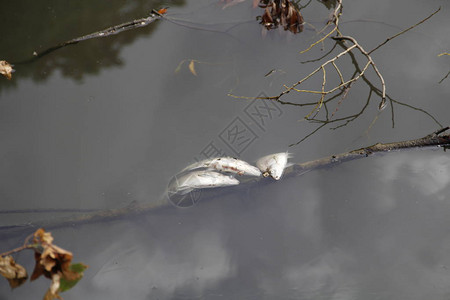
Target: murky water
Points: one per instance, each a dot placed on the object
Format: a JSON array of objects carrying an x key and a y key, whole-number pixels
[{"x": 109, "y": 121}]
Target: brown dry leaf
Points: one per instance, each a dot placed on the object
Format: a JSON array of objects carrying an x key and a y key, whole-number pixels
[
  {"x": 15, "y": 273},
  {"x": 281, "y": 13},
  {"x": 192, "y": 67},
  {"x": 6, "y": 69},
  {"x": 267, "y": 18},
  {"x": 38, "y": 268},
  {"x": 52, "y": 260},
  {"x": 50, "y": 296},
  {"x": 43, "y": 236}
]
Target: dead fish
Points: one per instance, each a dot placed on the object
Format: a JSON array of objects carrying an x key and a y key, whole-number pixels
[
  {"x": 273, "y": 164},
  {"x": 203, "y": 180},
  {"x": 226, "y": 164}
]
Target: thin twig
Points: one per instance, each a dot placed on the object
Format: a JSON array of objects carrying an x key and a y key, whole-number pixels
[
  {"x": 334, "y": 20},
  {"x": 416, "y": 108},
  {"x": 403, "y": 31},
  {"x": 382, "y": 104},
  {"x": 344, "y": 95},
  {"x": 15, "y": 250},
  {"x": 338, "y": 71},
  {"x": 321, "y": 57},
  {"x": 378, "y": 92},
  {"x": 445, "y": 77},
  {"x": 308, "y": 135}
]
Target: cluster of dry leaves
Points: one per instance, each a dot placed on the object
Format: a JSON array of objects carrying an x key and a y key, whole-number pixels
[
  {"x": 52, "y": 261},
  {"x": 281, "y": 13},
  {"x": 276, "y": 13},
  {"x": 6, "y": 69}
]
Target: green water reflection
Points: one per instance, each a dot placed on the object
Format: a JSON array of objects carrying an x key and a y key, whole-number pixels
[{"x": 36, "y": 26}]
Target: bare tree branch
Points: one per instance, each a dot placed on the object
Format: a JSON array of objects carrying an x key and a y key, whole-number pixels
[{"x": 403, "y": 31}]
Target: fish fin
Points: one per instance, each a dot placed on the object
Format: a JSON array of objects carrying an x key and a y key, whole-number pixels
[
  {"x": 185, "y": 191},
  {"x": 203, "y": 164},
  {"x": 192, "y": 167}
]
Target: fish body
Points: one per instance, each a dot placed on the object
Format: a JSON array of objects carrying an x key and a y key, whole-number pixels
[
  {"x": 228, "y": 165},
  {"x": 203, "y": 180},
  {"x": 273, "y": 164}
]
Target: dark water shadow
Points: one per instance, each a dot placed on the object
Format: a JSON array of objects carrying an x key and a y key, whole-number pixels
[{"x": 39, "y": 26}]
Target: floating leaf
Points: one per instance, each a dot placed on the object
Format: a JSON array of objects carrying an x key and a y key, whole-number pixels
[
  {"x": 192, "y": 68},
  {"x": 44, "y": 236},
  {"x": 15, "y": 273},
  {"x": 68, "y": 284},
  {"x": 52, "y": 260},
  {"x": 6, "y": 69},
  {"x": 177, "y": 70}
]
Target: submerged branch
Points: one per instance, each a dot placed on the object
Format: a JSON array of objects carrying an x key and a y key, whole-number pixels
[
  {"x": 403, "y": 31},
  {"x": 435, "y": 139},
  {"x": 154, "y": 15}
]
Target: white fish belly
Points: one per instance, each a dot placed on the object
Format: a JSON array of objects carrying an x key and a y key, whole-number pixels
[{"x": 205, "y": 179}]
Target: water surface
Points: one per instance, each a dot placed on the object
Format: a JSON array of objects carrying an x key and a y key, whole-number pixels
[{"x": 109, "y": 121}]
